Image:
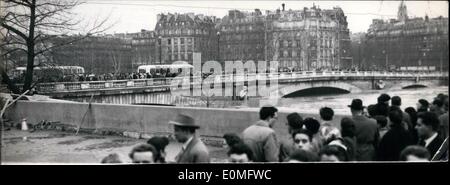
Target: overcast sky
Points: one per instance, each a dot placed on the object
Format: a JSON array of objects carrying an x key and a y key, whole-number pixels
[{"x": 134, "y": 15}]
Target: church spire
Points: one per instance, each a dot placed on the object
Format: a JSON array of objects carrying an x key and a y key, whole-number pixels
[{"x": 402, "y": 14}]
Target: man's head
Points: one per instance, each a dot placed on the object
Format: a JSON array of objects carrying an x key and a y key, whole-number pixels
[
  {"x": 436, "y": 105},
  {"x": 112, "y": 158},
  {"x": 240, "y": 153},
  {"x": 384, "y": 98},
  {"x": 422, "y": 104},
  {"x": 143, "y": 153},
  {"x": 184, "y": 127},
  {"x": 295, "y": 122},
  {"x": 312, "y": 125},
  {"x": 372, "y": 110},
  {"x": 232, "y": 139},
  {"x": 415, "y": 153},
  {"x": 427, "y": 124},
  {"x": 381, "y": 121},
  {"x": 332, "y": 153},
  {"x": 269, "y": 114},
  {"x": 160, "y": 144},
  {"x": 326, "y": 113},
  {"x": 182, "y": 134},
  {"x": 356, "y": 107},
  {"x": 396, "y": 101},
  {"x": 303, "y": 139},
  {"x": 396, "y": 117}
]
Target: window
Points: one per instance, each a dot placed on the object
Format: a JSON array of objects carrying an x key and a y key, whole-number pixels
[
  {"x": 182, "y": 40},
  {"x": 169, "y": 41}
]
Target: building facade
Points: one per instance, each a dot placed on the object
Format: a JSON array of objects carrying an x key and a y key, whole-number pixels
[
  {"x": 357, "y": 50},
  {"x": 242, "y": 36},
  {"x": 97, "y": 54},
  {"x": 180, "y": 35},
  {"x": 407, "y": 42},
  {"x": 308, "y": 39},
  {"x": 144, "y": 48}
]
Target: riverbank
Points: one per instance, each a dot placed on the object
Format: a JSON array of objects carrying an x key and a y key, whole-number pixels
[{"x": 57, "y": 147}]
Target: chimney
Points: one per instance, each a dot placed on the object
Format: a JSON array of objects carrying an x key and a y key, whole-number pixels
[{"x": 282, "y": 5}]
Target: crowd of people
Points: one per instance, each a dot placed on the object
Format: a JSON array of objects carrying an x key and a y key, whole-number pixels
[{"x": 378, "y": 132}]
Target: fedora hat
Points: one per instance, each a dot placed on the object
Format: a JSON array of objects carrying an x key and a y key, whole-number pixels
[
  {"x": 184, "y": 121},
  {"x": 357, "y": 104}
]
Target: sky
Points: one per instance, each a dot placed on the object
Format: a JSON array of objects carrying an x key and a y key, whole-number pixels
[{"x": 134, "y": 15}]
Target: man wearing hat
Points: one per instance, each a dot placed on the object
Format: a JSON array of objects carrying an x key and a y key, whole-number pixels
[
  {"x": 193, "y": 149},
  {"x": 366, "y": 132}
]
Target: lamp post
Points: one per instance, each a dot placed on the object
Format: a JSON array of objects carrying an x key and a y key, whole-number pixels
[
  {"x": 160, "y": 49},
  {"x": 218, "y": 46},
  {"x": 386, "y": 55},
  {"x": 359, "y": 55}
]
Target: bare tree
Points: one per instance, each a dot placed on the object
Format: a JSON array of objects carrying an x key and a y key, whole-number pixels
[
  {"x": 116, "y": 59},
  {"x": 28, "y": 26}
]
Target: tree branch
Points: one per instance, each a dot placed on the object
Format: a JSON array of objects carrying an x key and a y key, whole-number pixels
[{"x": 14, "y": 30}]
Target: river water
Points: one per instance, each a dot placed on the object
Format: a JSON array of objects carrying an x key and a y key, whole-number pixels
[{"x": 339, "y": 102}]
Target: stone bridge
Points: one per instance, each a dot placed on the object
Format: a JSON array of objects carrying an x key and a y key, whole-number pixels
[
  {"x": 357, "y": 82},
  {"x": 282, "y": 84}
]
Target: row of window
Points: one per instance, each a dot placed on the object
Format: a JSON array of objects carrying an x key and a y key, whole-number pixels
[
  {"x": 298, "y": 43},
  {"x": 242, "y": 28},
  {"x": 294, "y": 53},
  {"x": 242, "y": 37},
  {"x": 182, "y": 31}
]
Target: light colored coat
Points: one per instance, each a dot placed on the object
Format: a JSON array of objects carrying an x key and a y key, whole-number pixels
[
  {"x": 195, "y": 152},
  {"x": 262, "y": 141}
]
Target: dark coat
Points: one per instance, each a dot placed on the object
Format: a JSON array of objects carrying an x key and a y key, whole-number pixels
[
  {"x": 393, "y": 142},
  {"x": 367, "y": 136},
  {"x": 434, "y": 146},
  {"x": 195, "y": 152}
]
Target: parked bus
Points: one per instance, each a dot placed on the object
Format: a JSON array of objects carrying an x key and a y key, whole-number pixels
[
  {"x": 50, "y": 73},
  {"x": 171, "y": 70},
  {"x": 65, "y": 70},
  {"x": 418, "y": 68}
]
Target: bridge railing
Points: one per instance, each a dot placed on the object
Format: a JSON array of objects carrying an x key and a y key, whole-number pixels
[{"x": 92, "y": 85}]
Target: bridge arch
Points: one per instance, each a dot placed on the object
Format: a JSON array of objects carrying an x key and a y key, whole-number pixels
[
  {"x": 290, "y": 90},
  {"x": 414, "y": 84}
]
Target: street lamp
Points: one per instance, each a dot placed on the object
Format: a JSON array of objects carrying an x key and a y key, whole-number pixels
[
  {"x": 160, "y": 52},
  {"x": 385, "y": 53},
  {"x": 359, "y": 55},
  {"x": 218, "y": 46}
]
